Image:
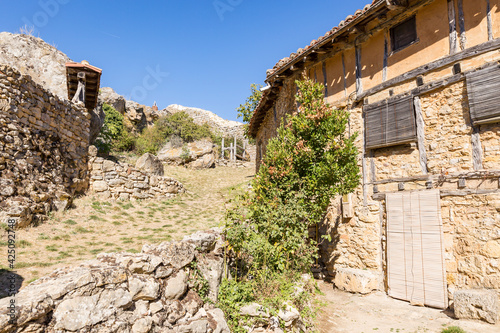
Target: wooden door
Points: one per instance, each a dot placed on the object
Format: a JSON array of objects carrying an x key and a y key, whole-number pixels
[{"x": 415, "y": 252}]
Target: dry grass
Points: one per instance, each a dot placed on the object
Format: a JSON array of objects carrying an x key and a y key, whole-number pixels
[{"x": 95, "y": 225}]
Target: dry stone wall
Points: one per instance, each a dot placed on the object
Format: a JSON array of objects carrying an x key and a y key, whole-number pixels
[
  {"x": 122, "y": 181},
  {"x": 43, "y": 149},
  {"x": 152, "y": 291}
]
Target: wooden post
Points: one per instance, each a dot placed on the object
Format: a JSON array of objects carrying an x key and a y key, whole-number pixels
[
  {"x": 235, "y": 148},
  {"x": 222, "y": 148},
  {"x": 80, "y": 91},
  {"x": 453, "y": 26},
  {"x": 244, "y": 148},
  {"x": 231, "y": 152},
  {"x": 488, "y": 20},
  {"x": 461, "y": 24},
  {"x": 420, "y": 135}
]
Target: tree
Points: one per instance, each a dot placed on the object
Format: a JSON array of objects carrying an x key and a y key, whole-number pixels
[{"x": 245, "y": 111}]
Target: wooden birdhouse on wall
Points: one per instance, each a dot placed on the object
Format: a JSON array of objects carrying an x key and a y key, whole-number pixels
[{"x": 83, "y": 82}]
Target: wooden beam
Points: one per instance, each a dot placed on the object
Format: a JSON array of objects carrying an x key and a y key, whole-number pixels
[
  {"x": 420, "y": 135},
  {"x": 452, "y": 26},
  {"x": 344, "y": 78},
  {"x": 325, "y": 79},
  {"x": 477, "y": 150},
  {"x": 359, "y": 82},
  {"x": 489, "y": 20},
  {"x": 386, "y": 55},
  {"x": 461, "y": 24},
  {"x": 448, "y": 60}
]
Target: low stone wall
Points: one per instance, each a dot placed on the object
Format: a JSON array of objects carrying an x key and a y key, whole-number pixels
[
  {"x": 43, "y": 149},
  {"x": 152, "y": 291},
  {"x": 123, "y": 181}
]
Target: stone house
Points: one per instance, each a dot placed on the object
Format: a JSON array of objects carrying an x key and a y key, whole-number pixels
[{"x": 419, "y": 78}]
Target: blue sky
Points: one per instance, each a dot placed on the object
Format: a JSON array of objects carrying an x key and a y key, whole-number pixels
[{"x": 199, "y": 53}]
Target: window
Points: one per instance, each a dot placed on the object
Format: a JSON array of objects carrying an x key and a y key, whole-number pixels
[
  {"x": 390, "y": 122},
  {"x": 404, "y": 34},
  {"x": 484, "y": 100}
]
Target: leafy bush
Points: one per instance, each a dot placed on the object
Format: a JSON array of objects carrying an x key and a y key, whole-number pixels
[
  {"x": 172, "y": 127},
  {"x": 311, "y": 160},
  {"x": 114, "y": 135}
]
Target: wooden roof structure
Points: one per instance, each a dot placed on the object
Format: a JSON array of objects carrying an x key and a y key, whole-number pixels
[{"x": 83, "y": 81}]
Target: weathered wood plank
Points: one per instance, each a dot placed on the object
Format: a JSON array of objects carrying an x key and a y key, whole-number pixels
[
  {"x": 461, "y": 24},
  {"x": 386, "y": 56},
  {"x": 420, "y": 135},
  {"x": 359, "y": 82},
  {"x": 477, "y": 150},
  {"x": 325, "y": 78},
  {"x": 344, "y": 78},
  {"x": 453, "y": 26},
  {"x": 448, "y": 60},
  {"x": 489, "y": 20}
]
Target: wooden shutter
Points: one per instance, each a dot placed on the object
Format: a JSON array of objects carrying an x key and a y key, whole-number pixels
[
  {"x": 390, "y": 122},
  {"x": 415, "y": 253},
  {"x": 484, "y": 97},
  {"x": 404, "y": 34}
]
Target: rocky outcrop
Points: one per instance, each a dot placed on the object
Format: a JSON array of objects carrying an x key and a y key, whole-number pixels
[
  {"x": 226, "y": 128},
  {"x": 152, "y": 291},
  {"x": 122, "y": 181},
  {"x": 32, "y": 56},
  {"x": 199, "y": 154},
  {"x": 137, "y": 116},
  {"x": 43, "y": 149},
  {"x": 46, "y": 65}
]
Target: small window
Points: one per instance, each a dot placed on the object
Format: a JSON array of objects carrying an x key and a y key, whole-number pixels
[
  {"x": 404, "y": 34},
  {"x": 484, "y": 100},
  {"x": 390, "y": 122}
]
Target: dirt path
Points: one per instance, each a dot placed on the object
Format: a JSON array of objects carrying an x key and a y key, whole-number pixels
[
  {"x": 353, "y": 313},
  {"x": 95, "y": 225}
]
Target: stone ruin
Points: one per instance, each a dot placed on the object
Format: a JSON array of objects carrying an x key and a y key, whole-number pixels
[{"x": 151, "y": 291}]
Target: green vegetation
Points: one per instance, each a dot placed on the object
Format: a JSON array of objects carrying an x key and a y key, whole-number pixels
[
  {"x": 453, "y": 329},
  {"x": 245, "y": 111},
  {"x": 311, "y": 160},
  {"x": 178, "y": 128}
]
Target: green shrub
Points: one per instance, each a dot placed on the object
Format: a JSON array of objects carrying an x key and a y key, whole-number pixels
[
  {"x": 311, "y": 160},
  {"x": 453, "y": 329},
  {"x": 114, "y": 135}
]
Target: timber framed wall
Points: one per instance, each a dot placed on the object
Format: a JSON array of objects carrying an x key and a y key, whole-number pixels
[{"x": 448, "y": 151}]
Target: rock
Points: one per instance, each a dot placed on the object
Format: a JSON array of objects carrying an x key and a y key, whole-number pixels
[
  {"x": 217, "y": 321},
  {"x": 491, "y": 249},
  {"x": 163, "y": 272},
  {"x": 192, "y": 302},
  {"x": 139, "y": 263},
  {"x": 205, "y": 162},
  {"x": 109, "y": 96},
  {"x": 100, "y": 186},
  {"x": 175, "y": 254},
  {"x": 187, "y": 153},
  {"x": 62, "y": 201},
  {"x": 142, "y": 325},
  {"x": 211, "y": 267},
  {"x": 356, "y": 280},
  {"x": 151, "y": 164},
  {"x": 204, "y": 241},
  {"x": 254, "y": 310},
  {"x": 32, "y": 56},
  {"x": 143, "y": 287},
  {"x": 289, "y": 315},
  {"x": 176, "y": 286},
  {"x": 97, "y": 117},
  {"x": 175, "y": 311},
  {"x": 477, "y": 304},
  {"x": 197, "y": 326}
]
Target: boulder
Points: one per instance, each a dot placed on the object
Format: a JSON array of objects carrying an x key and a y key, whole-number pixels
[
  {"x": 143, "y": 287},
  {"x": 356, "y": 280},
  {"x": 97, "y": 117},
  {"x": 150, "y": 163},
  {"x": 192, "y": 151},
  {"x": 205, "y": 162},
  {"x": 109, "y": 96},
  {"x": 211, "y": 267},
  {"x": 477, "y": 304},
  {"x": 218, "y": 323}
]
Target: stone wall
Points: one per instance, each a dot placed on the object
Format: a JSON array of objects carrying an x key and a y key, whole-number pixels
[
  {"x": 43, "y": 149},
  {"x": 152, "y": 291},
  {"x": 123, "y": 181}
]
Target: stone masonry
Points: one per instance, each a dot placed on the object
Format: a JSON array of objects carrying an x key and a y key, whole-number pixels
[
  {"x": 152, "y": 291},
  {"x": 43, "y": 149},
  {"x": 123, "y": 181}
]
